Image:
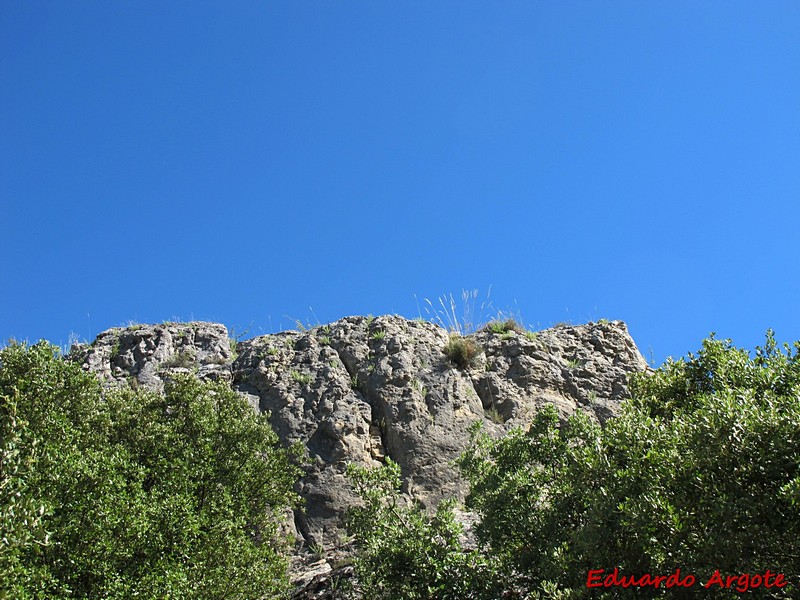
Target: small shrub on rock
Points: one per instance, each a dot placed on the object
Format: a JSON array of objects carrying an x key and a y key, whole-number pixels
[
  {"x": 462, "y": 351},
  {"x": 405, "y": 552},
  {"x": 506, "y": 326}
]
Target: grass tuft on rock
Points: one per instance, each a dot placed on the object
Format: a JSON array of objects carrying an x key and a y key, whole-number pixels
[{"x": 462, "y": 351}]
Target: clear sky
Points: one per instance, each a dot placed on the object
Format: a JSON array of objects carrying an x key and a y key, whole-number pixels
[{"x": 257, "y": 162}]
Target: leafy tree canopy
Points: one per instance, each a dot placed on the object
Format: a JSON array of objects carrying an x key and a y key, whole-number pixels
[{"x": 124, "y": 494}]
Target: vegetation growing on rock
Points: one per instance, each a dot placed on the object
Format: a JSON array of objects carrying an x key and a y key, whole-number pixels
[
  {"x": 699, "y": 472},
  {"x": 174, "y": 489},
  {"x": 406, "y": 553},
  {"x": 461, "y": 351}
]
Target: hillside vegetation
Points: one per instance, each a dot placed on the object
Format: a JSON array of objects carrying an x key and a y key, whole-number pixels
[
  {"x": 182, "y": 493},
  {"x": 698, "y": 476},
  {"x": 135, "y": 494}
]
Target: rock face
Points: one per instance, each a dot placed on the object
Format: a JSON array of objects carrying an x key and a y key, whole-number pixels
[
  {"x": 140, "y": 355},
  {"x": 363, "y": 389}
]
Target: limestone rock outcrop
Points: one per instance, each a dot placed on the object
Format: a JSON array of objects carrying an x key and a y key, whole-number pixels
[{"x": 363, "y": 389}]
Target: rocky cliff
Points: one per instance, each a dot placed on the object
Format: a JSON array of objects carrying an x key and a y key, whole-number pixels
[{"x": 361, "y": 389}]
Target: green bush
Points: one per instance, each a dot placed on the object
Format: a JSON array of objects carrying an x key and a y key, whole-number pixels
[
  {"x": 22, "y": 510},
  {"x": 505, "y": 326},
  {"x": 136, "y": 494},
  {"x": 406, "y": 553}
]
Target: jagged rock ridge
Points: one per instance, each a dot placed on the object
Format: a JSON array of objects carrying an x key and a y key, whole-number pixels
[{"x": 362, "y": 388}]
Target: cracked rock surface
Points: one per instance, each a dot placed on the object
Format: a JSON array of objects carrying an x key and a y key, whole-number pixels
[{"x": 362, "y": 389}]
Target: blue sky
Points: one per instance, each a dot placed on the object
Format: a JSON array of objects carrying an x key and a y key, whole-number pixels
[{"x": 257, "y": 162}]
